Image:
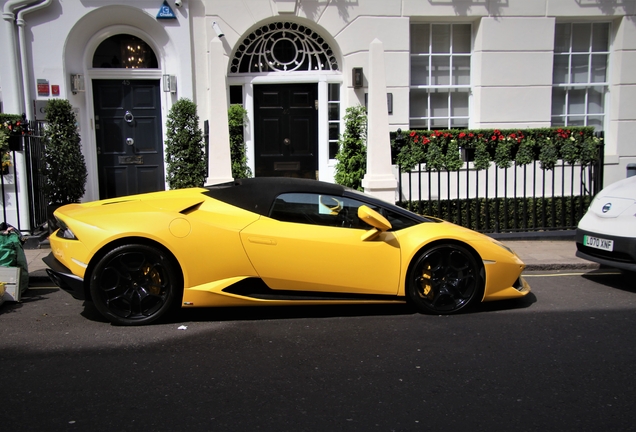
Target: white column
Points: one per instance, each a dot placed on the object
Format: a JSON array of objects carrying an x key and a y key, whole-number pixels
[
  {"x": 379, "y": 180},
  {"x": 219, "y": 164}
]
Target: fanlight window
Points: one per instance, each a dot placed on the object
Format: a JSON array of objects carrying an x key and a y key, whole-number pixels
[
  {"x": 283, "y": 47},
  {"x": 124, "y": 51}
]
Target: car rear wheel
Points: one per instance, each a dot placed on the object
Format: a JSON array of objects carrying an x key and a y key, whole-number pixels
[
  {"x": 444, "y": 279},
  {"x": 134, "y": 285}
]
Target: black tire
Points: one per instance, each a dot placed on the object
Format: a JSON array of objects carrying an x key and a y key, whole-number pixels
[
  {"x": 134, "y": 285},
  {"x": 444, "y": 279}
]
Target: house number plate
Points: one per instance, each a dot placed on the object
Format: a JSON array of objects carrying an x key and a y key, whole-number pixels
[{"x": 131, "y": 160}]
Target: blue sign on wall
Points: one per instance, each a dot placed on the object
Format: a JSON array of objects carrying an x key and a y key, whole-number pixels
[{"x": 166, "y": 12}]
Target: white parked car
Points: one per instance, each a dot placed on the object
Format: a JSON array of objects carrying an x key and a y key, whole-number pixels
[{"x": 607, "y": 232}]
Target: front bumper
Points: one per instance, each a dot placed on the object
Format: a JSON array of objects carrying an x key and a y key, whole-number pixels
[
  {"x": 623, "y": 255},
  {"x": 64, "y": 278}
]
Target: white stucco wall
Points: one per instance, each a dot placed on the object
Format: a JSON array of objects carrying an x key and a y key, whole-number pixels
[{"x": 511, "y": 71}]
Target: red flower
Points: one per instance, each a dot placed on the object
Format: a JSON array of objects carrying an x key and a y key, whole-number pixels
[
  {"x": 462, "y": 134},
  {"x": 471, "y": 135},
  {"x": 497, "y": 132},
  {"x": 415, "y": 140},
  {"x": 425, "y": 141},
  {"x": 412, "y": 133}
]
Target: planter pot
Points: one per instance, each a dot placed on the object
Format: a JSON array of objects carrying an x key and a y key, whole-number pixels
[{"x": 15, "y": 142}]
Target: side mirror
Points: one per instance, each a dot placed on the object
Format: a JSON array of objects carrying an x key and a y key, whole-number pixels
[{"x": 371, "y": 217}]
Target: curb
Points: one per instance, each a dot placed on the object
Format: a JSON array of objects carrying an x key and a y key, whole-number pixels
[{"x": 563, "y": 266}]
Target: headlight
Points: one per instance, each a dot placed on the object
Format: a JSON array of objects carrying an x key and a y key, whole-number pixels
[
  {"x": 64, "y": 231},
  {"x": 498, "y": 243}
]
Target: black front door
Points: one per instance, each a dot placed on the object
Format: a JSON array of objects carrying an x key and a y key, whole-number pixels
[
  {"x": 286, "y": 130},
  {"x": 129, "y": 140}
]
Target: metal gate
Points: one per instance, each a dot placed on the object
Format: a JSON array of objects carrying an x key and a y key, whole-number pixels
[{"x": 32, "y": 145}]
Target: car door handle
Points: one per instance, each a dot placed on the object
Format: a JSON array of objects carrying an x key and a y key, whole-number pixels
[{"x": 262, "y": 240}]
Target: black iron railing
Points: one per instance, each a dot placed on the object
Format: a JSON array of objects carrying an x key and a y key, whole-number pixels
[
  {"x": 31, "y": 145},
  {"x": 498, "y": 200}
]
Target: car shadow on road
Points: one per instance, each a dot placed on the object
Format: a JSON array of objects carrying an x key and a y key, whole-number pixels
[
  {"x": 327, "y": 311},
  {"x": 256, "y": 313},
  {"x": 264, "y": 313},
  {"x": 29, "y": 296},
  {"x": 512, "y": 304},
  {"x": 622, "y": 280}
]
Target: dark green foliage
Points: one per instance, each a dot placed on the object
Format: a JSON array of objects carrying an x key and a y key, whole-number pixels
[
  {"x": 482, "y": 157},
  {"x": 438, "y": 149},
  {"x": 506, "y": 214},
  {"x": 10, "y": 124},
  {"x": 352, "y": 154},
  {"x": 525, "y": 153},
  {"x": 548, "y": 155},
  {"x": 65, "y": 168},
  {"x": 236, "y": 120},
  {"x": 184, "y": 146}
]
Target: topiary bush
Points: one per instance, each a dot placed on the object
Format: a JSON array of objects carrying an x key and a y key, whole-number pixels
[
  {"x": 352, "y": 149},
  {"x": 184, "y": 146},
  {"x": 236, "y": 121},
  {"x": 64, "y": 164}
]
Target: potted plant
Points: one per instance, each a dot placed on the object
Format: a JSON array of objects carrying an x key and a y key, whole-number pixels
[
  {"x": 64, "y": 164},
  {"x": 184, "y": 146},
  {"x": 352, "y": 149}
]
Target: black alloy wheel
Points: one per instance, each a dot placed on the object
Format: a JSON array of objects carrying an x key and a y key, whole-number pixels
[
  {"x": 444, "y": 279},
  {"x": 134, "y": 285}
]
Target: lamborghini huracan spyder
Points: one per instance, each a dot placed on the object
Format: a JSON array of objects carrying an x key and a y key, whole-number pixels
[{"x": 270, "y": 241}]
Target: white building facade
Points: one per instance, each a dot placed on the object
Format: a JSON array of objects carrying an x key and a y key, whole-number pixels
[{"x": 296, "y": 65}]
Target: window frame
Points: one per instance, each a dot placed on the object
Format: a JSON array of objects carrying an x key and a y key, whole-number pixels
[
  {"x": 565, "y": 117},
  {"x": 399, "y": 219},
  {"x": 429, "y": 89}
]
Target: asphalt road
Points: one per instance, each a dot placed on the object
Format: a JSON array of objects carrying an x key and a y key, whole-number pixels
[{"x": 561, "y": 359}]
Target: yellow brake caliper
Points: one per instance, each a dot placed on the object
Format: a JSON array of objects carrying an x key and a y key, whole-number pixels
[
  {"x": 425, "y": 282},
  {"x": 153, "y": 275}
]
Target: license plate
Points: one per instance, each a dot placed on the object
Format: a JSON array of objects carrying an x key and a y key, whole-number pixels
[{"x": 598, "y": 243}]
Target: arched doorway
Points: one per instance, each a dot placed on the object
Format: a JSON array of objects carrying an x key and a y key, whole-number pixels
[
  {"x": 288, "y": 68},
  {"x": 127, "y": 119}
]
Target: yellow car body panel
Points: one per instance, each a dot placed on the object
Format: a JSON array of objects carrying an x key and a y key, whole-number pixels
[
  {"x": 212, "y": 295},
  {"x": 133, "y": 218},
  {"x": 502, "y": 267},
  {"x": 301, "y": 257}
]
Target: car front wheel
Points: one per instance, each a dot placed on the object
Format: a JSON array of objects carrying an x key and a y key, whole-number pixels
[
  {"x": 444, "y": 279},
  {"x": 134, "y": 285}
]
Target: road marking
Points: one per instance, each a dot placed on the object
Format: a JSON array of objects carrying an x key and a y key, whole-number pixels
[{"x": 571, "y": 274}]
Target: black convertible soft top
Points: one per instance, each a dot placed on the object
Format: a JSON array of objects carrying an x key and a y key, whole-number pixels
[{"x": 258, "y": 194}]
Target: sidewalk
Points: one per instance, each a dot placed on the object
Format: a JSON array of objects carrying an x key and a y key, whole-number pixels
[{"x": 537, "y": 254}]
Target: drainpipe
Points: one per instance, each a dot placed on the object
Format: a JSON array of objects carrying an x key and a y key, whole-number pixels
[
  {"x": 23, "y": 55},
  {"x": 13, "y": 81}
]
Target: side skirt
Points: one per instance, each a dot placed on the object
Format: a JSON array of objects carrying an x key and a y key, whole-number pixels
[{"x": 257, "y": 289}]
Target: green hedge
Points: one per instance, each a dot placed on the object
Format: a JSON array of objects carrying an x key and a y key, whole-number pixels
[
  {"x": 506, "y": 214},
  {"x": 447, "y": 149}
]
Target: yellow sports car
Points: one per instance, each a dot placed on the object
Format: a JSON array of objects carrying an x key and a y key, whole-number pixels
[{"x": 270, "y": 241}]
